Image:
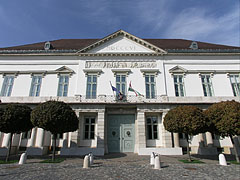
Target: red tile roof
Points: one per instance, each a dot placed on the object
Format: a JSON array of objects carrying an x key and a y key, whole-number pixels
[{"x": 77, "y": 44}]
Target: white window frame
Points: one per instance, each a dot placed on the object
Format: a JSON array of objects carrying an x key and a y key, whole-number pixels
[
  {"x": 90, "y": 93},
  {"x": 150, "y": 83},
  {"x": 152, "y": 124},
  {"x": 88, "y": 131},
  {"x": 235, "y": 83},
  {"x": 208, "y": 85},
  {"x": 7, "y": 85},
  {"x": 177, "y": 84},
  {"x": 62, "y": 91},
  {"x": 35, "y": 85}
]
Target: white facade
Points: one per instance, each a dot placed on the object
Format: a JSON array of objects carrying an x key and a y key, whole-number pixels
[{"x": 119, "y": 55}]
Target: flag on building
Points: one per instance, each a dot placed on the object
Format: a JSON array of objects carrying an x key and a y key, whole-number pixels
[
  {"x": 132, "y": 90},
  {"x": 113, "y": 88}
]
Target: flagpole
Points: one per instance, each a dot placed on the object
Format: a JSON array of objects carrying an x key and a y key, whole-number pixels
[{"x": 112, "y": 88}]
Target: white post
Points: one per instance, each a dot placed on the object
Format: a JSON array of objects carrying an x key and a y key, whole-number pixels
[
  {"x": 91, "y": 158},
  {"x": 157, "y": 162},
  {"x": 152, "y": 159},
  {"x": 222, "y": 160},
  {"x": 23, "y": 158},
  {"x": 86, "y": 163},
  {"x": 31, "y": 142}
]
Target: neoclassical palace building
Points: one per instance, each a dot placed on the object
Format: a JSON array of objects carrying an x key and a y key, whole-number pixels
[{"x": 120, "y": 87}]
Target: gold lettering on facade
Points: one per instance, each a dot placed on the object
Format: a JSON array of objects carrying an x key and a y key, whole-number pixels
[{"x": 109, "y": 64}]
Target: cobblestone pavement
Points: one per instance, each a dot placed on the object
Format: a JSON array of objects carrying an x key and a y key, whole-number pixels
[{"x": 118, "y": 166}]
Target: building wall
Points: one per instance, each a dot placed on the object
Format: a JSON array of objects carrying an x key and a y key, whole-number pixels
[{"x": 164, "y": 87}]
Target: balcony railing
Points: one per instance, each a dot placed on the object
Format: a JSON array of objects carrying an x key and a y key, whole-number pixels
[{"x": 113, "y": 99}]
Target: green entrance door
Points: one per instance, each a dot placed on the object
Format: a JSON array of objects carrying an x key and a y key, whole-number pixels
[{"x": 121, "y": 133}]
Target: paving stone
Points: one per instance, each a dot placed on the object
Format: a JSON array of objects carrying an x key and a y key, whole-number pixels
[{"x": 129, "y": 166}]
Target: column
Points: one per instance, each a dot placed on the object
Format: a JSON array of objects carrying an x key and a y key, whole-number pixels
[
  {"x": 47, "y": 139},
  {"x": 15, "y": 141},
  {"x": 40, "y": 137},
  {"x": 100, "y": 128},
  {"x": 6, "y": 139},
  {"x": 1, "y": 137},
  {"x": 166, "y": 135},
  {"x": 141, "y": 130},
  {"x": 201, "y": 140},
  {"x": 74, "y": 137},
  {"x": 31, "y": 142},
  {"x": 209, "y": 139},
  {"x": 176, "y": 139},
  {"x": 65, "y": 140}
]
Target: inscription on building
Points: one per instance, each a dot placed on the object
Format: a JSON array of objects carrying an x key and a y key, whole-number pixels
[
  {"x": 120, "y": 48},
  {"x": 106, "y": 64}
]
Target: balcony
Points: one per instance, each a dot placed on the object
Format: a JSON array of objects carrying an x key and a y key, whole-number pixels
[{"x": 130, "y": 99}]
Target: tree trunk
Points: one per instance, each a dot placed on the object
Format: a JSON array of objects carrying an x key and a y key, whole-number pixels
[
  {"x": 235, "y": 149},
  {"x": 188, "y": 152},
  {"x": 54, "y": 147},
  {"x": 9, "y": 148}
]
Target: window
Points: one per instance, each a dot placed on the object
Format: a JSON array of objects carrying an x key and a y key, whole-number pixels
[
  {"x": 35, "y": 86},
  {"x": 235, "y": 82},
  {"x": 150, "y": 86},
  {"x": 59, "y": 136},
  {"x": 89, "y": 127},
  {"x": 207, "y": 85},
  {"x": 121, "y": 83},
  {"x": 91, "y": 87},
  {"x": 152, "y": 127},
  {"x": 182, "y": 136},
  {"x": 63, "y": 85},
  {"x": 178, "y": 85},
  {"x": 7, "y": 86},
  {"x": 27, "y": 135}
]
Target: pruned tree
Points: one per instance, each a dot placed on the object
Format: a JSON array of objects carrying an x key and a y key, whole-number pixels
[
  {"x": 15, "y": 118},
  {"x": 224, "y": 118},
  {"x": 189, "y": 120},
  {"x": 56, "y": 117}
]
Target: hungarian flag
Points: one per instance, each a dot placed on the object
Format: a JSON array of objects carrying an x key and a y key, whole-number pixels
[{"x": 131, "y": 89}]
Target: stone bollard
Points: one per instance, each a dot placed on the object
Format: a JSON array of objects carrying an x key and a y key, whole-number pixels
[
  {"x": 157, "y": 162},
  {"x": 86, "y": 163},
  {"x": 91, "y": 158},
  {"x": 222, "y": 160},
  {"x": 152, "y": 158},
  {"x": 23, "y": 158}
]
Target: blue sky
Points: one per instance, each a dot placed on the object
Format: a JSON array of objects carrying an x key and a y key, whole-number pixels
[{"x": 30, "y": 21}]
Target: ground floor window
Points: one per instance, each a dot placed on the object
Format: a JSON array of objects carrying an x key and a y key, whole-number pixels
[
  {"x": 59, "y": 136},
  {"x": 89, "y": 127},
  {"x": 152, "y": 127},
  {"x": 26, "y": 135}
]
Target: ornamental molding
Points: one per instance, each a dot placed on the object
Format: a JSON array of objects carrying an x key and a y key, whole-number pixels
[
  {"x": 121, "y": 71},
  {"x": 150, "y": 71},
  {"x": 92, "y": 71},
  {"x": 61, "y": 70},
  {"x": 177, "y": 69}
]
